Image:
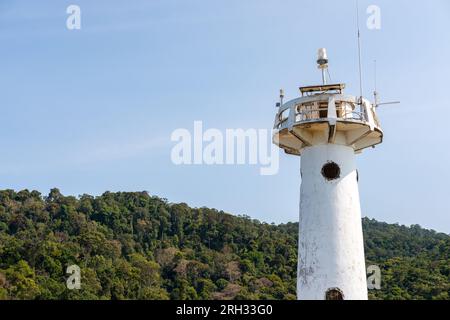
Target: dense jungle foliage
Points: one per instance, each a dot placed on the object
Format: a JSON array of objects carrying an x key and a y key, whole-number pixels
[{"x": 130, "y": 245}]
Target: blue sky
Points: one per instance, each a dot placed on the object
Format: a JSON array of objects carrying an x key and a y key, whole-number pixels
[{"x": 92, "y": 110}]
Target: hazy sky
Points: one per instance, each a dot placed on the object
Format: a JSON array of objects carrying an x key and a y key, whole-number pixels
[{"x": 92, "y": 110}]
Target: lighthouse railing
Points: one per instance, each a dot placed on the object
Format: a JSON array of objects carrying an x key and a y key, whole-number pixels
[
  {"x": 347, "y": 109},
  {"x": 308, "y": 112}
]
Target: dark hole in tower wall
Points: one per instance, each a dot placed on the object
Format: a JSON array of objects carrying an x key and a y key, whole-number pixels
[
  {"x": 331, "y": 171},
  {"x": 334, "y": 294}
]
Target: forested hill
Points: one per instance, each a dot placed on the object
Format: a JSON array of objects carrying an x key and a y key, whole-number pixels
[{"x": 135, "y": 246}]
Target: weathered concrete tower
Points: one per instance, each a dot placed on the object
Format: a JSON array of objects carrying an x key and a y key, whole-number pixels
[{"x": 327, "y": 128}]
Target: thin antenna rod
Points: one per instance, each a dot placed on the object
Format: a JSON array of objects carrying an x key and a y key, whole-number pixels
[
  {"x": 375, "y": 72},
  {"x": 329, "y": 76},
  {"x": 359, "y": 52},
  {"x": 375, "y": 91},
  {"x": 324, "y": 77}
]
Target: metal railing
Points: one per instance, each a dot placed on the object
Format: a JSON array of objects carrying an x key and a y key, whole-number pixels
[
  {"x": 310, "y": 112},
  {"x": 350, "y": 112}
]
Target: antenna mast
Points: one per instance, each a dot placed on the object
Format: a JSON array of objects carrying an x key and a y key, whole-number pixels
[
  {"x": 322, "y": 62},
  {"x": 375, "y": 92},
  {"x": 359, "y": 53},
  {"x": 377, "y": 102}
]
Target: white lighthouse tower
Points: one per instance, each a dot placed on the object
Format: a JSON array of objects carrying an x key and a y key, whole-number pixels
[{"x": 327, "y": 128}]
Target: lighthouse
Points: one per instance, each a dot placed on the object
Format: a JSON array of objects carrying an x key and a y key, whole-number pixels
[{"x": 327, "y": 129}]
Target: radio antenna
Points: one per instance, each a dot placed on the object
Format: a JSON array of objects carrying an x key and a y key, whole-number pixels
[
  {"x": 376, "y": 102},
  {"x": 359, "y": 53},
  {"x": 375, "y": 92}
]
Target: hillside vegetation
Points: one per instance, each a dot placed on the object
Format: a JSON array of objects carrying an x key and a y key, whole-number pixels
[{"x": 130, "y": 245}]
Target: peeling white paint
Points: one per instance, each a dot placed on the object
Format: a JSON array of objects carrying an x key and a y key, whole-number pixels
[{"x": 331, "y": 249}]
